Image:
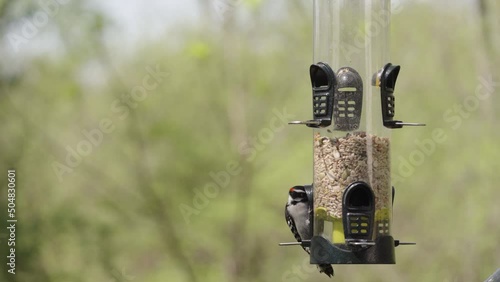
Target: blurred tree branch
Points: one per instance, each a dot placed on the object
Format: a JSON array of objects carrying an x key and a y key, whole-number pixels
[
  {"x": 158, "y": 206},
  {"x": 242, "y": 265},
  {"x": 489, "y": 49},
  {"x": 4, "y": 7},
  {"x": 5, "y": 18}
]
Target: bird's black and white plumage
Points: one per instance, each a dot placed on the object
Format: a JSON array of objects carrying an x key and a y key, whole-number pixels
[{"x": 298, "y": 217}]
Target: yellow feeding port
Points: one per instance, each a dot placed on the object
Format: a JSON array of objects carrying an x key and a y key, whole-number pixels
[
  {"x": 337, "y": 224},
  {"x": 338, "y": 231}
]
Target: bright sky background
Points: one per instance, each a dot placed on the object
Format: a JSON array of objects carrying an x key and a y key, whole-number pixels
[
  {"x": 135, "y": 20},
  {"x": 138, "y": 18},
  {"x": 148, "y": 18}
]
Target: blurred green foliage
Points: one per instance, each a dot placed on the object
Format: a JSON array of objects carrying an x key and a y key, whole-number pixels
[{"x": 120, "y": 214}]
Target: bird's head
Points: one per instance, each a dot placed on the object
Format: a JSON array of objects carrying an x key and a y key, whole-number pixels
[{"x": 297, "y": 194}]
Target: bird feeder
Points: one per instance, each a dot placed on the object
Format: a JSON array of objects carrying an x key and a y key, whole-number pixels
[{"x": 353, "y": 114}]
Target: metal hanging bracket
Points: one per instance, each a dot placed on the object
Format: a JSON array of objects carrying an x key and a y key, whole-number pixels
[
  {"x": 323, "y": 82},
  {"x": 399, "y": 243},
  {"x": 386, "y": 80},
  {"x": 303, "y": 243}
]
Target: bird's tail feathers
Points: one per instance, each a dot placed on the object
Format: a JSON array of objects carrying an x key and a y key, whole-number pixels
[{"x": 326, "y": 269}]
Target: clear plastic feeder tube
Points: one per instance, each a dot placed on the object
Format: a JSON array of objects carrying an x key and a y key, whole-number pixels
[{"x": 352, "y": 177}]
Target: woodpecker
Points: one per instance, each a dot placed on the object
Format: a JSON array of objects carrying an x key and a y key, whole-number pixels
[{"x": 298, "y": 212}]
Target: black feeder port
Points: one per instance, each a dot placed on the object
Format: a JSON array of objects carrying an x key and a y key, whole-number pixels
[
  {"x": 323, "y": 83},
  {"x": 348, "y": 100},
  {"x": 358, "y": 212}
]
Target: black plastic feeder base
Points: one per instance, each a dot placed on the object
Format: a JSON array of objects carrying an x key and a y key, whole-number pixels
[{"x": 323, "y": 252}]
